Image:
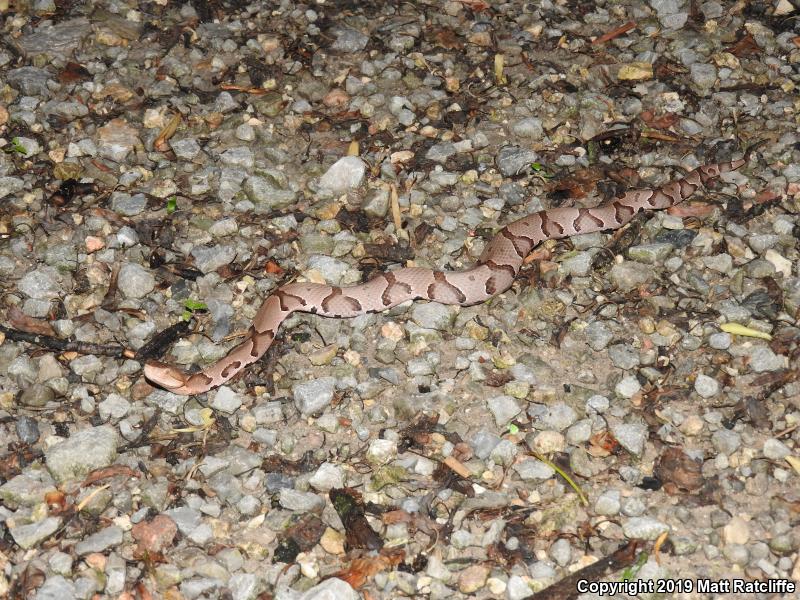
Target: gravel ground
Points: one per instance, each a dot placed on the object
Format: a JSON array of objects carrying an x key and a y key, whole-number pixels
[{"x": 165, "y": 161}]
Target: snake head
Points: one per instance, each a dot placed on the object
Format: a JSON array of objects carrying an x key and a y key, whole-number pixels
[{"x": 164, "y": 375}]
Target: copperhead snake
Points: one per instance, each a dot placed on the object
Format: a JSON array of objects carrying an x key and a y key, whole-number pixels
[{"x": 494, "y": 273}]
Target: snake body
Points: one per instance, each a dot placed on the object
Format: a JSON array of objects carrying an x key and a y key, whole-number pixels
[{"x": 492, "y": 274}]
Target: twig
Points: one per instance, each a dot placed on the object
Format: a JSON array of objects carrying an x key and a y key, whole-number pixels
[
  {"x": 607, "y": 37},
  {"x": 59, "y": 345},
  {"x": 566, "y": 589}
]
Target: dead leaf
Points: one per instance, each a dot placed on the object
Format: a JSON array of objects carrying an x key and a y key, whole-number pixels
[
  {"x": 19, "y": 320},
  {"x": 112, "y": 471},
  {"x": 361, "y": 570},
  {"x": 679, "y": 473},
  {"x": 745, "y": 46},
  {"x": 166, "y": 133}
]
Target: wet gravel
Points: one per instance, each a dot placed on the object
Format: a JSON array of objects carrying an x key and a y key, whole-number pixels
[{"x": 201, "y": 154}]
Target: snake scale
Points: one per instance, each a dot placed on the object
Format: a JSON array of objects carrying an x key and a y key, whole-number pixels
[{"x": 494, "y": 273}]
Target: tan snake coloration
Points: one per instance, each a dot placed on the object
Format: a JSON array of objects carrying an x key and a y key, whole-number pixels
[{"x": 493, "y": 274}]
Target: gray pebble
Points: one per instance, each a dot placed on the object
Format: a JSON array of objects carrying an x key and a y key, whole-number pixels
[
  {"x": 298, "y": 501},
  {"x": 226, "y": 400},
  {"x": 720, "y": 340},
  {"x": 644, "y": 528},
  {"x": 631, "y": 436},
  {"x": 85, "y": 451},
  {"x": 345, "y": 174},
  {"x": 483, "y": 442},
  {"x": 513, "y": 160},
  {"x": 99, "y": 542},
  {"x": 57, "y": 588},
  {"x": 27, "y": 429},
  {"x": 211, "y": 259},
  {"x": 127, "y": 205},
  {"x": 776, "y": 449},
  {"x": 623, "y": 356},
  {"x": 28, "y": 536},
  {"x": 135, "y": 281},
  {"x": 312, "y": 396},
  {"x": 42, "y": 283},
  {"x": 725, "y": 441},
  {"x": 530, "y": 127},
  {"x": 327, "y": 477},
  {"x": 531, "y": 469},
  {"x": 561, "y": 552},
  {"x": 608, "y": 503},
  {"x": 504, "y": 409},
  {"x": 705, "y": 386},
  {"x": 598, "y": 335},
  {"x": 762, "y": 359}
]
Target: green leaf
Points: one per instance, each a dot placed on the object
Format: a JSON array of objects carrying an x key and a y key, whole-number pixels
[
  {"x": 15, "y": 146},
  {"x": 194, "y": 305},
  {"x": 172, "y": 205},
  {"x": 513, "y": 429}
]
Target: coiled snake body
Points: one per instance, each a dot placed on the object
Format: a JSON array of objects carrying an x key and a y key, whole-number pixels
[{"x": 493, "y": 274}]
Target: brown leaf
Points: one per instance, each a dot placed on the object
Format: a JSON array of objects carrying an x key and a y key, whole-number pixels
[
  {"x": 745, "y": 46},
  {"x": 19, "y": 320},
  {"x": 602, "y": 444},
  {"x": 362, "y": 570},
  {"x": 107, "y": 472},
  {"x": 679, "y": 473},
  {"x": 447, "y": 39},
  {"x": 300, "y": 537},
  {"x": 662, "y": 122},
  {"x": 73, "y": 72},
  {"x": 350, "y": 508}
]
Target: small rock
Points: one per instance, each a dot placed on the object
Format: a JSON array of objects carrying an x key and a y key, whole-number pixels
[
  {"x": 349, "y": 40},
  {"x": 531, "y": 469},
  {"x": 705, "y": 386},
  {"x": 312, "y": 396},
  {"x": 27, "y": 536},
  {"x": 27, "y": 429},
  {"x": 561, "y": 552},
  {"x": 473, "y": 578},
  {"x": 598, "y": 335},
  {"x": 327, "y": 477},
  {"x": 517, "y": 588},
  {"x": 548, "y": 441},
  {"x": 629, "y": 275},
  {"x": 725, "y": 441},
  {"x": 608, "y": 503},
  {"x": 762, "y": 359},
  {"x": 530, "y": 127},
  {"x": 483, "y": 442},
  {"x": 85, "y": 451},
  {"x": 635, "y": 71},
  {"x": 345, "y": 174},
  {"x": 56, "y": 588},
  {"x": 623, "y": 356},
  {"x": 135, "y": 281},
  {"x": 644, "y": 528},
  {"x": 720, "y": 341},
  {"x": 381, "y": 451},
  {"x": 99, "y": 542},
  {"x": 737, "y": 531},
  {"x": 244, "y": 586},
  {"x": 628, "y": 386},
  {"x": 504, "y": 409},
  {"x": 155, "y": 535},
  {"x": 513, "y": 160},
  {"x": 226, "y": 400},
  {"x": 42, "y": 283},
  {"x": 331, "y": 589},
  {"x": 631, "y": 436},
  {"x": 703, "y": 75},
  {"x": 775, "y": 449},
  {"x": 302, "y": 502},
  {"x": 432, "y": 315},
  {"x": 211, "y": 259}
]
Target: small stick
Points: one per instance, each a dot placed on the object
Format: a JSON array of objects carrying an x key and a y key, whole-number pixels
[
  {"x": 607, "y": 37},
  {"x": 59, "y": 345}
]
